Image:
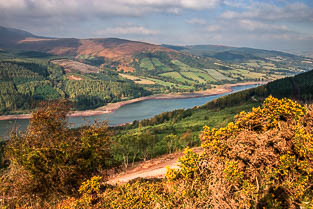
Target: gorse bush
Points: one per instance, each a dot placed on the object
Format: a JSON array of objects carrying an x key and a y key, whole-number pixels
[
  {"x": 52, "y": 159},
  {"x": 261, "y": 160},
  {"x": 262, "y": 155}
]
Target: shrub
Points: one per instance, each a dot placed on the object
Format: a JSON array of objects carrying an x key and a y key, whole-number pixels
[
  {"x": 51, "y": 158},
  {"x": 265, "y": 153},
  {"x": 261, "y": 160},
  {"x": 137, "y": 194}
]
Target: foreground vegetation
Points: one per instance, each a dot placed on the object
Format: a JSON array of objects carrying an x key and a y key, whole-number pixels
[
  {"x": 261, "y": 160},
  {"x": 51, "y": 160}
]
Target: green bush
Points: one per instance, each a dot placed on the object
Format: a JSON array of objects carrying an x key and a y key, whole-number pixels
[{"x": 53, "y": 159}]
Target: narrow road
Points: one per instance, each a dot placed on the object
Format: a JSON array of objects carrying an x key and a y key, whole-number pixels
[{"x": 154, "y": 168}]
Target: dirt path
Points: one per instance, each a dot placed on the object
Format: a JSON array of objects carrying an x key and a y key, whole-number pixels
[{"x": 155, "y": 168}]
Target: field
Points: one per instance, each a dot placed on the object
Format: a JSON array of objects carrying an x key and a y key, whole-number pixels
[
  {"x": 137, "y": 80},
  {"x": 169, "y": 84},
  {"x": 215, "y": 74},
  {"x": 177, "y": 76},
  {"x": 184, "y": 67},
  {"x": 159, "y": 65},
  {"x": 146, "y": 64}
]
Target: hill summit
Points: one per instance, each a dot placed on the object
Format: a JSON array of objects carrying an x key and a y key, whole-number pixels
[{"x": 111, "y": 48}]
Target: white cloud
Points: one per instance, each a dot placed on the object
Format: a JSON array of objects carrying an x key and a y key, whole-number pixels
[
  {"x": 174, "y": 10},
  {"x": 214, "y": 28},
  {"x": 236, "y": 3},
  {"x": 35, "y": 15},
  {"x": 199, "y": 4},
  {"x": 252, "y": 25},
  {"x": 127, "y": 30},
  {"x": 196, "y": 21},
  {"x": 269, "y": 12},
  {"x": 98, "y": 7},
  {"x": 188, "y": 4}
]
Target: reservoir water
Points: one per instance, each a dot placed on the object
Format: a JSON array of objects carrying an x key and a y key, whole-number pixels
[{"x": 128, "y": 113}]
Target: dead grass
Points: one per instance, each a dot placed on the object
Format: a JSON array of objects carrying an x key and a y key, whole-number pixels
[
  {"x": 74, "y": 77},
  {"x": 125, "y": 68},
  {"x": 30, "y": 39}
]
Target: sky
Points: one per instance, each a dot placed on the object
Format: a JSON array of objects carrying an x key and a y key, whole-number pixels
[{"x": 267, "y": 24}]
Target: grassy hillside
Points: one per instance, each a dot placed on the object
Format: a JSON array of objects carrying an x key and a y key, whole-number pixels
[{"x": 183, "y": 72}]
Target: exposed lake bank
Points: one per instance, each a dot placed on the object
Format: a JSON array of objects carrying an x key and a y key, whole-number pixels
[
  {"x": 127, "y": 113},
  {"x": 109, "y": 108}
]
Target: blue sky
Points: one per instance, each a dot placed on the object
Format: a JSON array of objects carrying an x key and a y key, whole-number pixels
[{"x": 269, "y": 24}]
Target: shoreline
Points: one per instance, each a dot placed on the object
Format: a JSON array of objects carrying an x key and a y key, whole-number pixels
[{"x": 109, "y": 108}]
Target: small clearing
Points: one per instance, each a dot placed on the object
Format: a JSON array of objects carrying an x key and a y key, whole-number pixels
[
  {"x": 137, "y": 79},
  {"x": 72, "y": 66},
  {"x": 74, "y": 77}
]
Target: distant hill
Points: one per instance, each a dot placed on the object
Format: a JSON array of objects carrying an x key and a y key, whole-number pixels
[
  {"x": 10, "y": 36},
  {"x": 111, "y": 48},
  {"x": 200, "y": 49},
  {"x": 227, "y": 53}
]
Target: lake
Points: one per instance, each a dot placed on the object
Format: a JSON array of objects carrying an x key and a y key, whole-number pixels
[{"x": 128, "y": 113}]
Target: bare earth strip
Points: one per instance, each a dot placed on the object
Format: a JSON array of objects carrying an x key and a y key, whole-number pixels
[
  {"x": 210, "y": 92},
  {"x": 154, "y": 168},
  {"x": 114, "y": 106},
  {"x": 71, "y": 114},
  {"x": 74, "y": 77},
  {"x": 30, "y": 39}
]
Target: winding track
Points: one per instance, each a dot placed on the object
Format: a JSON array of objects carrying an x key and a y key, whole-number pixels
[{"x": 154, "y": 168}]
